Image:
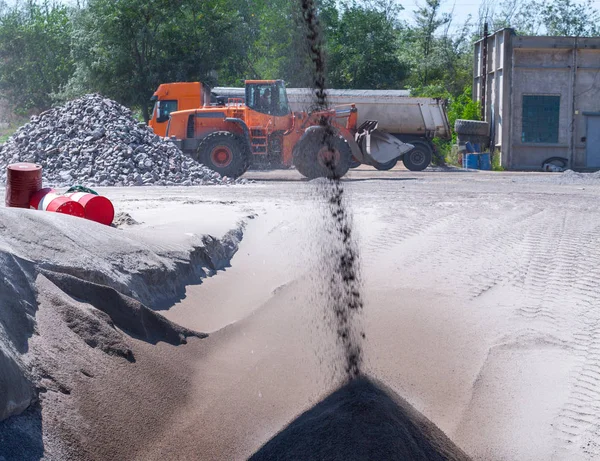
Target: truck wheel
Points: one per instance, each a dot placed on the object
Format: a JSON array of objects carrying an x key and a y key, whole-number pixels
[
  {"x": 417, "y": 159},
  {"x": 313, "y": 159},
  {"x": 472, "y": 127},
  {"x": 225, "y": 153},
  {"x": 386, "y": 166}
]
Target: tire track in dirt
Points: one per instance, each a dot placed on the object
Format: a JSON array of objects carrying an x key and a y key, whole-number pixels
[
  {"x": 560, "y": 264},
  {"x": 578, "y": 424},
  {"x": 480, "y": 257},
  {"x": 548, "y": 258}
]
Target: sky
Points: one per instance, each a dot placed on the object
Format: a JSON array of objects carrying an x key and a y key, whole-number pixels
[{"x": 462, "y": 9}]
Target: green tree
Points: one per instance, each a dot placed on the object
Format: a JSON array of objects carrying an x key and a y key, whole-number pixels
[
  {"x": 536, "y": 17},
  {"x": 363, "y": 48},
  {"x": 278, "y": 48},
  {"x": 565, "y": 17},
  {"x": 428, "y": 20},
  {"x": 125, "y": 49},
  {"x": 439, "y": 56},
  {"x": 35, "y": 53}
]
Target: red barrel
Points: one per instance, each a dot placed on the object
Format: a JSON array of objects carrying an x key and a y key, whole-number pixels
[
  {"x": 22, "y": 181},
  {"x": 49, "y": 200},
  {"x": 97, "y": 208}
]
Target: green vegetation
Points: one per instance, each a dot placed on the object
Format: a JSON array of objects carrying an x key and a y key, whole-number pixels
[
  {"x": 496, "y": 161},
  {"x": 35, "y": 53},
  {"x": 7, "y": 130},
  {"x": 123, "y": 49}
]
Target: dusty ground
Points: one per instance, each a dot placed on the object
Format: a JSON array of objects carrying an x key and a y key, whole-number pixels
[{"x": 481, "y": 293}]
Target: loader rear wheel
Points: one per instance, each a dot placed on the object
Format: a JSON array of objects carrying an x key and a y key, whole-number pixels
[
  {"x": 225, "y": 153},
  {"x": 417, "y": 159},
  {"x": 314, "y": 159}
]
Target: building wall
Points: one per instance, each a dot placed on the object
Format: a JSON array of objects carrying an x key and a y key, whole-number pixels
[
  {"x": 516, "y": 66},
  {"x": 540, "y": 72},
  {"x": 498, "y": 69}
]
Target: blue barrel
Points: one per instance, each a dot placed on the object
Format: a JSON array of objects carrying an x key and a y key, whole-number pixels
[
  {"x": 485, "y": 162},
  {"x": 471, "y": 161}
]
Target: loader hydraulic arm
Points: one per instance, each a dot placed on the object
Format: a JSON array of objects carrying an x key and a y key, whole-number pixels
[{"x": 347, "y": 111}]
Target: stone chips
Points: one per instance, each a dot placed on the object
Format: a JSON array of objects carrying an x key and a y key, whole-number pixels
[{"x": 95, "y": 141}]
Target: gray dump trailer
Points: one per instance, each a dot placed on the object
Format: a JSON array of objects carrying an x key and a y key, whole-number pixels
[{"x": 412, "y": 120}]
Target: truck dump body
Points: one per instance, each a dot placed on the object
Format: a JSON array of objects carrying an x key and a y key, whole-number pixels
[{"x": 396, "y": 112}]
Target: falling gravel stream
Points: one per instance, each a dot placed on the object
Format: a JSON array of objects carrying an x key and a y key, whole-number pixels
[{"x": 340, "y": 256}]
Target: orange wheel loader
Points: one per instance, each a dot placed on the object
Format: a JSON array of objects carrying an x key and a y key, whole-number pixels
[{"x": 229, "y": 135}]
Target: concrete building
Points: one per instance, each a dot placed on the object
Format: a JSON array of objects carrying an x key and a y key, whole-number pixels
[{"x": 541, "y": 96}]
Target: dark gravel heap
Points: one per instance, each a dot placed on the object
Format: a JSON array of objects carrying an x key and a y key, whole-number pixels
[
  {"x": 96, "y": 141},
  {"x": 361, "y": 421}
]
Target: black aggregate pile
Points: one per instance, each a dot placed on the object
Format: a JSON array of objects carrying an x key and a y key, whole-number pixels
[
  {"x": 97, "y": 142},
  {"x": 361, "y": 421}
]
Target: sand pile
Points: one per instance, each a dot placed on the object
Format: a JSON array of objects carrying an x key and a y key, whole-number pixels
[
  {"x": 97, "y": 142},
  {"x": 361, "y": 421},
  {"x": 101, "y": 285}
]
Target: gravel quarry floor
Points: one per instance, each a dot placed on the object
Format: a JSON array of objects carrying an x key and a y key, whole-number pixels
[{"x": 481, "y": 310}]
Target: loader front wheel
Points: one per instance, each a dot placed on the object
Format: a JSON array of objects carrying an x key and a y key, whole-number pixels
[
  {"x": 225, "y": 153},
  {"x": 314, "y": 159}
]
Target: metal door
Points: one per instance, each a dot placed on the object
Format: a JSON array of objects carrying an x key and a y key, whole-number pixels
[{"x": 593, "y": 142}]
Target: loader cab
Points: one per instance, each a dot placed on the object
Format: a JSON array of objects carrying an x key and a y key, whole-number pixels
[
  {"x": 163, "y": 109},
  {"x": 267, "y": 97}
]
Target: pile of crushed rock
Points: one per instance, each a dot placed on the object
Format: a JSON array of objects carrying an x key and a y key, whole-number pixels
[
  {"x": 567, "y": 177},
  {"x": 362, "y": 420},
  {"x": 97, "y": 142}
]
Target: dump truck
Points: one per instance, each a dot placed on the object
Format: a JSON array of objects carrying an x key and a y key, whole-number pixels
[
  {"x": 413, "y": 120},
  {"x": 230, "y": 134}
]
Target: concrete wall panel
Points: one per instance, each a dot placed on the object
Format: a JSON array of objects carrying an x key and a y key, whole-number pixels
[
  {"x": 543, "y": 58},
  {"x": 541, "y": 82}
]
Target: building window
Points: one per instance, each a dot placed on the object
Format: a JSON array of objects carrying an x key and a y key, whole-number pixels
[{"x": 540, "y": 119}]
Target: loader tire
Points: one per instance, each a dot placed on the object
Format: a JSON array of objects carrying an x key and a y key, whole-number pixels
[
  {"x": 471, "y": 127},
  {"x": 313, "y": 159},
  {"x": 225, "y": 153},
  {"x": 419, "y": 158}
]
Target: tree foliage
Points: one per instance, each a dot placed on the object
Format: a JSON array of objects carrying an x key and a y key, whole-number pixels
[
  {"x": 126, "y": 48},
  {"x": 35, "y": 53},
  {"x": 363, "y": 49},
  {"x": 278, "y": 48},
  {"x": 539, "y": 17},
  {"x": 565, "y": 17}
]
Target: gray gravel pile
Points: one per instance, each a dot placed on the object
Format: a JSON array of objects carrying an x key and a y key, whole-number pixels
[
  {"x": 96, "y": 141},
  {"x": 567, "y": 177}
]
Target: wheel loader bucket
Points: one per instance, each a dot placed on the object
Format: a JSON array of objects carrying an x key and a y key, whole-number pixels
[{"x": 379, "y": 147}]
